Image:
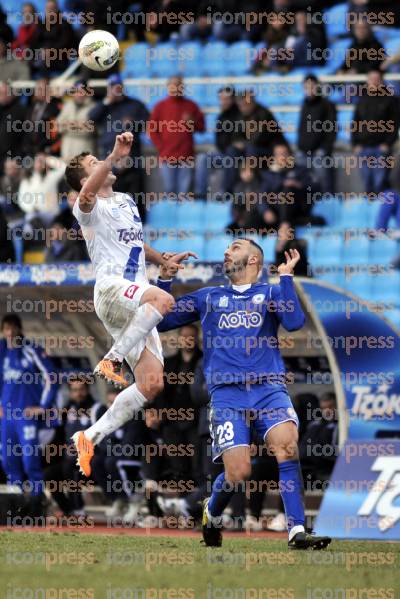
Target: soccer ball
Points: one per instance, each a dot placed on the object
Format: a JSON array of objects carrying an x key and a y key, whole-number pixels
[{"x": 99, "y": 50}]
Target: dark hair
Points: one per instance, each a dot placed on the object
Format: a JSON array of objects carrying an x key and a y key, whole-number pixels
[
  {"x": 13, "y": 320},
  {"x": 75, "y": 171},
  {"x": 228, "y": 89},
  {"x": 254, "y": 244},
  {"x": 311, "y": 77}
]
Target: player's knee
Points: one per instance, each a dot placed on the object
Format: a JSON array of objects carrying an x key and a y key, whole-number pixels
[
  {"x": 163, "y": 302},
  {"x": 151, "y": 387},
  {"x": 238, "y": 473}
]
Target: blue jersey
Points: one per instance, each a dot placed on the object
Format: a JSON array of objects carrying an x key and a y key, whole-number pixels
[
  {"x": 240, "y": 329},
  {"x": 26, "y": 377}
]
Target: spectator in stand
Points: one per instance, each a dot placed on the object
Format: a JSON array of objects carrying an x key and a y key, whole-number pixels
[
  {"x": 255, "y": 133},
  {"x": 26, "y": 31},
  {"x": 12, "y": 120},
  {"x": 43, "y": 112},
  {"x": 115, "y": 114},
  {"x": 27, "y": 393},
  {"x": 289, "y": 188},
  {"x": 224, "y": 129},
  {"x": 375, "y": 130},
  {"x": 162, "y": 26},
  {"x": 318, "y": 447},
  {"x": 9, "y": 185},
  {"x": 247, "y": 196},
  {"x": 38, "y": 193},
  {"x": 54, "y": 38},
  {"x": 65, "y": 245},
  {"x": 316, "y": 133},
  {"x": 74, "y": 125},
  {"x": 11, "y": 68},
  {"x": 179, "y": 373},
  {"x": 365, "y": 52},
  {"x": 172, "y": 124},
  {"x": 6, "y": 33},
  {"x": 274, "y": 54},
  {"x": 7, "y": 253}
]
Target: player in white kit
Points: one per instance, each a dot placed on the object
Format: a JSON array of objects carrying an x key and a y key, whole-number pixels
[{"x": 129, "y": 307}]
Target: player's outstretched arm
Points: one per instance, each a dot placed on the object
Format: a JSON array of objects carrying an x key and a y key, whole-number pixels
[
  {"x": 289, "y": 310},
  {"x": 172, "y": 262},
  {"x": 88, "y": 193}
]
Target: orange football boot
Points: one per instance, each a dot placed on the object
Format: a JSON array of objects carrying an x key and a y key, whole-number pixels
[
  {"x": 85, "y": 451},
  {"x": 110, "y": 370}
]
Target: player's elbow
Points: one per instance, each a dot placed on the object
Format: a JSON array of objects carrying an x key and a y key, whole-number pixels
[{"x": 295, "y": 322}]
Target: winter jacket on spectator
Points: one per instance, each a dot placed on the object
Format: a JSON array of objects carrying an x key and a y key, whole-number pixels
[
  {"x": 77, "y": 133},
  {"x": 24, "y": 39},
  {"x": 80, "y": 416},
  {"x": 11, "y": 139},
  {"x": 6, "y": 245},
  {"x": 171, "y": 127},
  {"x": 373, "y": 113},
  {"x": 362, "y": 56},
  {"x": 265, "y": 135},
  {"x": 45, "y": 136},
  {"x": 126, "y": 115},
  {"x": 312, "y": 132},
  {"x": 224, "y": 127}
]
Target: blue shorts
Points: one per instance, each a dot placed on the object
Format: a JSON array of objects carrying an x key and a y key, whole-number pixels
[{"x": 261, "y": 407}]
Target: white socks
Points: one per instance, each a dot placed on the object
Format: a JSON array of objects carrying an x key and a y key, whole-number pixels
[
  {"x": 125, "y": 405},
  {"x": 146, "y": 318},
  {"x": 294, "y": 530}
]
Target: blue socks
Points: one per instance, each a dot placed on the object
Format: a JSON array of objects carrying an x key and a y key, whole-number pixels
[
  {"x": 222, "y": 492},
  {"x": 291, "y": 489}
]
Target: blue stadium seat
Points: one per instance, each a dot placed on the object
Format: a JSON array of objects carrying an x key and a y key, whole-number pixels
[
  {"x": 162, "y": 214},
  {"x": 330, "y": 275},
  {"x": 214, "y": 59},
  {"x": 217, "y": 216},
  {"x": 326, "y": 251},
  {"x": 240, "y": 57},
  {"x": 387, "y": 288},
  {"x": 344, "y": 119},
  {"x": 194, "y": 243},
  {"x": 211, "y": 95},
  {"x": 336, "y": 20},
  {"x": 354, "y": 214},
  {"x": 360, "y": 284},
  {"x": 337, "y": 54},
  {"x": 190, "y": 215},
  {"x": 392, "y": 46},
  {"x": 190, "y": 59},
  {"x": 137, "y": 60},
  {"x": 383, "y": 250},
  {"x": 268, "y": 245},
  {"x": 215, "y": 247},
  {"x": 164, "y": 60},
  {"x": 197, "y": 92},
  {"x": 356, "y": 251},
  {"x": 329, "y": 209}
]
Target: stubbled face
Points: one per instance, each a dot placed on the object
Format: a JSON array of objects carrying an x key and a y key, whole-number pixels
[
  {"x": 89, "y": 163},
  {"x": 78, "y": 391},
  {"x": 374, "y": 80},
  {"x": 236, "y": 257},
  {"x": 188, "y": 338}
]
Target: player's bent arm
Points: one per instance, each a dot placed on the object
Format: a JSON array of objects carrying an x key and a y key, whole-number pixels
[
  {"x": 185, "y": 311},
  {"x": 289, "y": 311},
  {"x": 153, "y": 255},
  {"x": 88, "y": 193}
]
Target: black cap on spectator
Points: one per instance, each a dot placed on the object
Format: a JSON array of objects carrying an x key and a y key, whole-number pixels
[
  {"x": 311, "y": 77},
  {"x": 228, "y": 89}
]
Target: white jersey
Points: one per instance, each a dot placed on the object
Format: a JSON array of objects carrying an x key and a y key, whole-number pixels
[{"x": 114, "y": 237}]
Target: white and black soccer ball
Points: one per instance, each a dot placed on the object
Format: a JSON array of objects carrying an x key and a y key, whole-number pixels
[{"x": 99, "y": 50}]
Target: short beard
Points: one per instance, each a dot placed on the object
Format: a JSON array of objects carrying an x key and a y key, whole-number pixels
[{"x": 235, "y": 267}]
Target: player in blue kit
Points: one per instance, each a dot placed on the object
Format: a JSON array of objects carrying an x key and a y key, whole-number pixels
[
  {"x": 245, "y": 376},
  {"x": 28, "y": 389}
]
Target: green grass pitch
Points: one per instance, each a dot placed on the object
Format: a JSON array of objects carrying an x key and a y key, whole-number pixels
[{"x": 54, "y": 565}]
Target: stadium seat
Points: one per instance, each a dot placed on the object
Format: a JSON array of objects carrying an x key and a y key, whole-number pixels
[
  {"x": 190, "y": 59},
  {"x": 360, "y": 284},
  {"x": 240, "y": 57},
  {"x": 162, "y": 214},
  {"x": 198, "y": 93},
  {"x": 337, "y": 54},
  {"x": 394, "y": 317},
  {"x": 344, "y": 119},
  {"x": 217, "y": 216},
  {"x": 329, "y": 209},
  {"x": 268, "y": 245},
  {"x": 336, "y": 20},
  {"x": 386, "y": 288},
  {"x": 215, "y": 247},
  {"x": 326, "y": 251},
  {"x": 190, "y": 215},
  {"x": 383, "y": 250},
  {"x": 164, "y": 60},
  {"x": 356, "y": 251},
  {"x": 354, "y": 214},
  {"x": 137, "y": 60},
  {"x": 214, "y": 59},
  {"x": 208, "y": 137}
]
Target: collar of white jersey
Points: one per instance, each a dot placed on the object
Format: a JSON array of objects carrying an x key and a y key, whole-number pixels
[{"x": 241, "y": 288}]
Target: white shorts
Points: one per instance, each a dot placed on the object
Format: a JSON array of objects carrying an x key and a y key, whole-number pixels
[{"x": 116, "y": 301}]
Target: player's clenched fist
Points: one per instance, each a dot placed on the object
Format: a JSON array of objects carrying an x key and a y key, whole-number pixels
[{"x": 122, "y": 146}]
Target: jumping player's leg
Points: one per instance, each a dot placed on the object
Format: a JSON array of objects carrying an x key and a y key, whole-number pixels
[
  {"x": 148, "y": 371},
  {"x": 154, "y": 305}
]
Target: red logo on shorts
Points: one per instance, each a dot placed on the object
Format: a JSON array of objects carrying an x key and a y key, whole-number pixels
[{"x": 130, "y": 292}]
